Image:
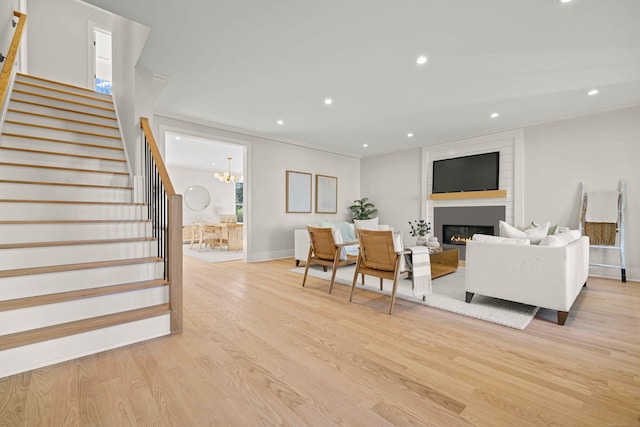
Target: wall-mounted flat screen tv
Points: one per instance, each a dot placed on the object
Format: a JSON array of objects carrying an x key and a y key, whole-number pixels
[{"x": 469, "y": 173}]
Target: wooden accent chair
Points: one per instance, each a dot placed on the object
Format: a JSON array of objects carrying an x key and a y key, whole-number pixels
[
  {"x": 378, "y": 258},
  {"x": 324, "y": 251}
]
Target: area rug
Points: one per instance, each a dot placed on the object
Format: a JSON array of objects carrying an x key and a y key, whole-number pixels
[
  {"x": 211, "y": 255},
  {"x": 448, "y": 294}
]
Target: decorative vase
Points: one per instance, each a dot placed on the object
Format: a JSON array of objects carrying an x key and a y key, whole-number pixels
[{"x": 421, "y": 241}]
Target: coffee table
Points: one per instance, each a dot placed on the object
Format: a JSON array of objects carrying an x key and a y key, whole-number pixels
[{"x": 444, "y": 262}]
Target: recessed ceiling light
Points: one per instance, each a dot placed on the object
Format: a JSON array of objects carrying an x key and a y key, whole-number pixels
[
  {"x": 328, "y": 101},
  {"x": 593, "y": 92},
  {"x": 421, "y": 60},
  {"x": 280, "y": 122},
  {"x": 494, "y": 115},
  {"x": 565, "y": 1},
  {"x": 178, "y": 138},
  {"x": 409, "y": 135},
  {"x": 365, "y": 145}
]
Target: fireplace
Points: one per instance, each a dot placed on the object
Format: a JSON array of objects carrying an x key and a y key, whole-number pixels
[
  {"x": 474, "y": 218},
  {"x": 461, "y": 234}
]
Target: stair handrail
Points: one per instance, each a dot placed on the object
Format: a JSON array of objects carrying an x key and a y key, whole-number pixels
[
  {"x": 6, "y": 75},
  {"x": 165, "y": 212}
]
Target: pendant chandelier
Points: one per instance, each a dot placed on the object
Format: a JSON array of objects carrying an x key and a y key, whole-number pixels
[{"x": 226, "y": 177}]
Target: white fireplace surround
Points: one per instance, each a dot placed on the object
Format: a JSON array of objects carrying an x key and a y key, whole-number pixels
[{"x": 510, "y": 144}]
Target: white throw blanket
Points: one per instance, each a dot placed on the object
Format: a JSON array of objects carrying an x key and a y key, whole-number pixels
[
  {"x": 602, "y": 206},
  {"x": 421, "y": 271}
]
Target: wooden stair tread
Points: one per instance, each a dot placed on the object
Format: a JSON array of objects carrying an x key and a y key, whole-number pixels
[
  {"x": 64, "y": 119},
  {"x": 74, "y": 243},
  {"x": 61, "y": 168},
  {"x": 79, "y": 266},
  {"x": 20, "y": 339},
  {"x": 53, "y": 128},
  {"x": 64, "y": 184},
  {"x": 69, "y": 101},
  {"x": 67, "y": 110},
  {"x": 55, "y": 153},
  {"x": 70, "y": 202},
  {"x": 66, "y": 92},
  {"x": 59, "y": 297},
  {"x": 61, "y": 141},
  {"x": 42, "y": 79}
]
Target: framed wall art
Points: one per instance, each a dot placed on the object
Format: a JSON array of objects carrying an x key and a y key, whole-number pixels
[
  {"x": 326, "y": 194},
  {"x": 298, "y": 192}
]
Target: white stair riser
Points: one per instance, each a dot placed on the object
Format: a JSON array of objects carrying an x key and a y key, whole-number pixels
[
  {"x": 11, "y": 259},
  {"x": 21, "y": 129},
  {"x": 22, "y": 233},
  {"x": 58, "y": 147},
  {"x": 62, "y": 124},
  {"x": 44, "y": 159},
  {"x": 63, "y": 104},
  {"x": 55, "y": 112},
  {"x": 57, "y": 192},
  {"x": 16, "y": 211},
  {"x": 64, "y": 95},
  {"x": 34, "y": 356},
  {"x": 25, "y": 173},
  {"x": 53, "y": 314},
  {"x": 68, "y": 281},
  {"x": 55, "y": 85}
]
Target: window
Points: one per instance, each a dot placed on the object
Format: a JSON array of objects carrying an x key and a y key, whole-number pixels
[{"x": 239, "y": 201}]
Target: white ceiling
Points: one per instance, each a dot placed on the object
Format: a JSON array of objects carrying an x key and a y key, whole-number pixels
[
  {"x": 192, "y": 152},
  {"x": 249, "y": 63}
]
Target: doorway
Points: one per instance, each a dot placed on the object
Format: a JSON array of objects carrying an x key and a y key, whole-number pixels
[
  {"x": 102, "y": 61},
  {"x": 216, "y": 168}
]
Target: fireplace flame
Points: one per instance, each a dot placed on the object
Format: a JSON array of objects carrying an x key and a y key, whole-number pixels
[{"x": 460, "y": 239}]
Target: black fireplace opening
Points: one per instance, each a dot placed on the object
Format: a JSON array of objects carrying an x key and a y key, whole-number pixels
[{"x": 461, "y": 234}]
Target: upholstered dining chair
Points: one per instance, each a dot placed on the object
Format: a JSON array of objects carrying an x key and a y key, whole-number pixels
[
  {"x": 209, "y": 236},
  {"x": 325, "y": 251},
  {"x": 379, "y": 258}
]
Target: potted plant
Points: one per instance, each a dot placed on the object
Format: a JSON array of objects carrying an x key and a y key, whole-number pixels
[
  {"x": 420, "y": 228},
  {"x": 363, "y": 209}
]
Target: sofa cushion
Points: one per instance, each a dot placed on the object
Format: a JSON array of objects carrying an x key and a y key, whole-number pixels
[{"x": 498, "y": 239}]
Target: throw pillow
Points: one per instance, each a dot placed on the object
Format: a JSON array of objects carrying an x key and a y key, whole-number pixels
[
  {"x": 507, "y": 230},
  {"x": 366, "y": 224},
  {"x": 538, "y": 233},
  {"x": 552, "y": 228},
  {"x": 535, "y": 234},
  {"x": 346, "y": 231},
  {"x": 324, "y": 223}
]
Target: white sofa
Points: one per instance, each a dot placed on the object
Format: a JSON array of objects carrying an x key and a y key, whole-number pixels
[{"x": 543, "y": 276}]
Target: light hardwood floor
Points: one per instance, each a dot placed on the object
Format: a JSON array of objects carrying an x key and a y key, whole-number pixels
[{"x": 258, "y": 349}]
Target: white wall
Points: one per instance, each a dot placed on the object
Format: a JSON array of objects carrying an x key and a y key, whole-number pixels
[
  {"x": 598, "y": 149},
  {"x": 6, "y": 29},
  {"x": 222, "y": 194},
  {"x": 269, "y": 230},
  {"x": 393, "y": 183},
  {"x": 59, "y": 49}
]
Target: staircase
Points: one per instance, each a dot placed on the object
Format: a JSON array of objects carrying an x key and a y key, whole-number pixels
[{"x": 79, "y": 270}]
